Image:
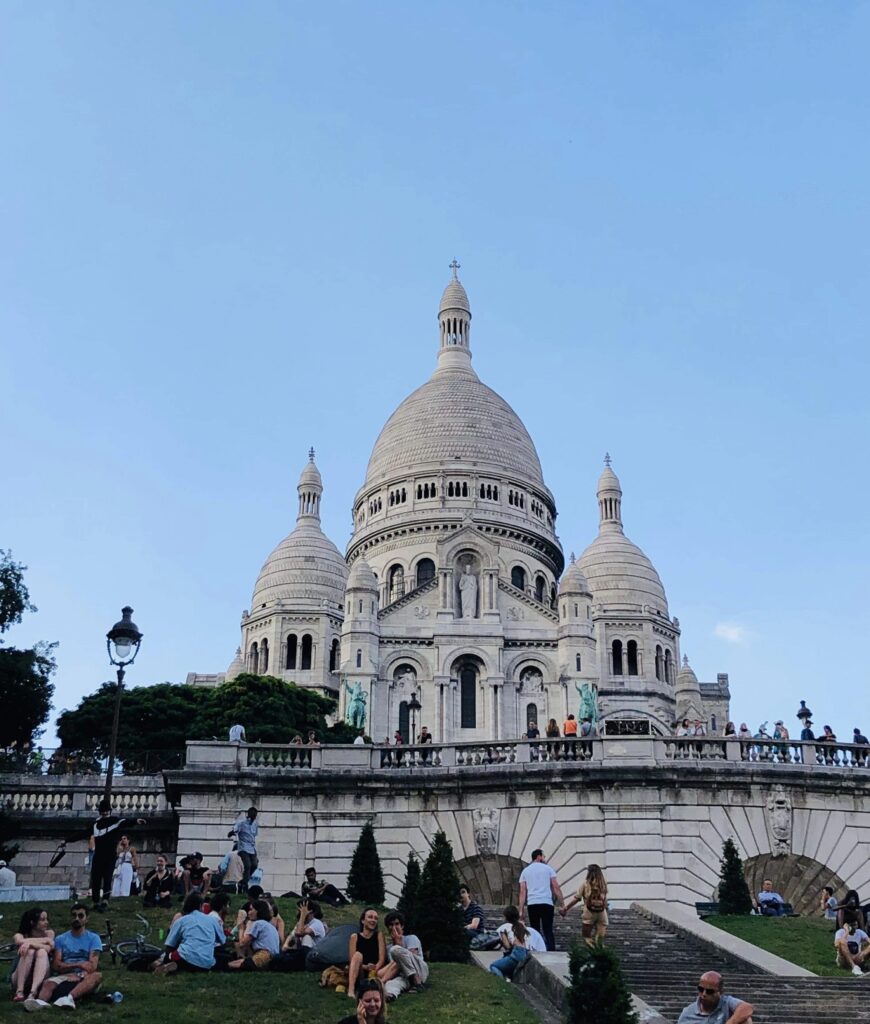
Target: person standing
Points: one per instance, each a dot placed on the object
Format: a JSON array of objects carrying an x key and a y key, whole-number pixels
[
  {"x": 126, "y": 867},
  {"x": 246, "y": 830},
  {"x": 538, "y": 887},
  {"x": 593, "y": 895},
  {"x": 102, "y": 846}
]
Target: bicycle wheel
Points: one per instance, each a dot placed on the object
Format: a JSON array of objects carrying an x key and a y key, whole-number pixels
[
  {"x": 133, "y": 947},
  {"x": 8, "y": 952}
]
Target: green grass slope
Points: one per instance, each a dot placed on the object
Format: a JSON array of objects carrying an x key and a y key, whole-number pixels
[{"x": 806, "y": 941}]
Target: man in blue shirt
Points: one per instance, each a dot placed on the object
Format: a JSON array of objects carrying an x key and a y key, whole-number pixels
[
  {"x": 713, "y": 1007},
  {"x": 245, "y": 830},
  {"x": 770, "y": 903},
  {"x": 74, "y": 964},
  {"x": 192, "y": 940}
]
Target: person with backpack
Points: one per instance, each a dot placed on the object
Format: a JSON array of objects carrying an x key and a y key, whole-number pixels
[{"x": 593, "y": 895}]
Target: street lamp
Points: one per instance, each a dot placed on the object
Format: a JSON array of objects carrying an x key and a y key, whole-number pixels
[
  {"x": 122, "y": 643},
  {"x": 414, "y": 706}
]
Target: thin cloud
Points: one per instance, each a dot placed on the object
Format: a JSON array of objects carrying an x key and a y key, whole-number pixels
[{"x": 731, "y": 632}]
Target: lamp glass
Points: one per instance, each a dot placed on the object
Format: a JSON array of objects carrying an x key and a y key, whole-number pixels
[{"x": 122, "y": 649}]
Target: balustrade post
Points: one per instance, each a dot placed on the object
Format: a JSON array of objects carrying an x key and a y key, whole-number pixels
[
  {"x": 448, "y": 756},
  {"x": 524, "y": 752},
  {"x": 732, "y": 749}
]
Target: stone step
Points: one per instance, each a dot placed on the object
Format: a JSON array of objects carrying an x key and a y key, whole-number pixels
[{"x": 662, "y": 968}]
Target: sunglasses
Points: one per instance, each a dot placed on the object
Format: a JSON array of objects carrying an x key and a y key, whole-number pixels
[
  {"x": 708, "y": 991},
  {"x": 80, "y": 915}
]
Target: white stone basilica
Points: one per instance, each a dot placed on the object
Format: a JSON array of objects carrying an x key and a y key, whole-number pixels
[{"x": 452, "y": 589}]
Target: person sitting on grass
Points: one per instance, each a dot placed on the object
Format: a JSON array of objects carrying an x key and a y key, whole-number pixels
[
  {"x": 850, "y": 912},
  {"x": 367, "y": 951},
  {"x": 853, "y": 948},
  {"x": 159, "y": 885},
  {"x": 323, "y": 891},
  {"x": 74, "y": 964},
  {"x": 516, "y": 944},
  {"x": 828, "y": 903},
  {"x": 220, "y": 908},
  {"x": 309, "y": 929},
  {"x": 35, "y": 941},
  {"x": 769, "y": 903},
  {"x": 712, "y": 1006},
  {"x": 196, "y": 877},
  {"x": 258, "y": 941},
  {"x": 277, "y": 920},
  {"x": 406, "y": 970},
  {"x": 371, "y": 1007},
  {"x": 192, "y": 940},
  {"x": 472, "y": 912}
]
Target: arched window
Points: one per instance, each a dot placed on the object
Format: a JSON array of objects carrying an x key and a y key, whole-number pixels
[
  {"x": 531, "y": 714},
  {"x": 617, "y": 657},
  {"x": 464, "y": 489},
  {"x": 552, "y": 595},
  {"x": 404, "y": 722},
  {"x": 255, "y": 659},
  {"x": 264, "y": 656},
  {"x": 518, "y": 577},
  {"x": 482, "y": 491},
  {"x": 425, "y": 571},
  {"x": 495, "y": 494},
  {"x": 540, "y": 585},
  {"x": 468, "y": 698},
  {"x": 359, "y": 657},
  {"x": 660, "y": 662},
  {"x": 578, "y": 662},
  {"x": 450, "y": 489},
  {"x": 291, "y": 646},
  {"x": 333, "y": 655},
  {"x": 576, "y": 610},
  {"x": 669, "y": 667},
  {"x": 419, "y": 491},
  {"x": 631, "y": 651},
  {"x": 396, "y": 583},
  {"x": 306, "y": 651}
]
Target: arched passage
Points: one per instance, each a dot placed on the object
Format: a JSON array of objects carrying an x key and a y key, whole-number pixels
[
  {"x": 797, "y": 879},
  {"x": 492, "y": 878}
]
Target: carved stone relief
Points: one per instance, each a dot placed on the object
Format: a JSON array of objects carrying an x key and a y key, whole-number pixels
[
  {"x": 779, "y": 816},
  {"x": 485, "y": 825}
]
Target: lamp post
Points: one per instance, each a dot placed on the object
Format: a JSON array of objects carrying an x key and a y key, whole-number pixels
[
  {"x": 414, "y": 706},
  {"x": 122, "y": 643}
]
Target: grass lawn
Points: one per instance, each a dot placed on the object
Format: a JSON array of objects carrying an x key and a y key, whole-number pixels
[
  {"x": 806, "y": 941},
  {"x": 456, "y": 993}
]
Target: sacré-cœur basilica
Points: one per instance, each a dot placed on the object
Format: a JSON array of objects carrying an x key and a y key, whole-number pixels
[{"x": 454, "y": 588}]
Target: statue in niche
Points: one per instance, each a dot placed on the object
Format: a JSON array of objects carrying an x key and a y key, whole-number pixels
[
  {"x": 468, "y": 593},
  {"x": 407, "y": 678},
  {"x": 588, "y": 702},
  {"x": 356, "y": 706},
  {"x": 485, "y": 824},
  {"x": 779, "y": 820},
  {"x": 531, "y": 681}
]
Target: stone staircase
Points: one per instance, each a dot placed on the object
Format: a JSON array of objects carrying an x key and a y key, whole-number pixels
[{"x": 662, "y": 967}]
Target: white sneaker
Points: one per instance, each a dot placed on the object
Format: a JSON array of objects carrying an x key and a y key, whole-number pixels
[
  {"x": 32, "y": 1005},
  {"x": 66, "y": 1002},
  {"x": 856, "y": 970}
]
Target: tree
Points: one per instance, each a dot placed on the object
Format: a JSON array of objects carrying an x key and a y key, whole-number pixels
[
  {"x": 442, "y": 928},
  {"x": 25, "y": 673},
  {"x": 409, "y": 900},
  {"x": 365, "y": 880},
  {"x": 597, "y": 993},
  {"x": 734, "y": 895},
  {"x": 160, "y": 719}
]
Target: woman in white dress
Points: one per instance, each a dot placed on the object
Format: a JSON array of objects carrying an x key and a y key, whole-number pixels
[{"x": 126, "y": 866}]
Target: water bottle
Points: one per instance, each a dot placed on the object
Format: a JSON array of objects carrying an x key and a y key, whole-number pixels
[{"x": 113, "y": 997}]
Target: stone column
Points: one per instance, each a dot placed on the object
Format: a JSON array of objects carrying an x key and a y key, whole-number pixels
[{"x": 446, "y": 594}]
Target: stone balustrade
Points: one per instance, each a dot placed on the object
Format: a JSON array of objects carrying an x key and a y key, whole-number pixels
[
  {"x": 480, "y": 754},
  {"x": 71, "y": 795}
]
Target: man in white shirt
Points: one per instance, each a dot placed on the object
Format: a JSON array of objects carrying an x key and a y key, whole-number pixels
[
  {"x": 853, "y": 948},
  {"x": 8, "y": 878},
  {"x": 536, "y": 942},
  {"x": 359, "y": 739},
  {"x": 538, "y": 886},
  {"x": 237, "y": 734}
]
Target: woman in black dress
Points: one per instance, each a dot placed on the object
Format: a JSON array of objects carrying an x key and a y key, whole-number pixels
[{"x": 367, "y": 951}]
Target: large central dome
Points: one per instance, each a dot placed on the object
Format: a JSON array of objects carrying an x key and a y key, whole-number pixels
[{"x": 454, "y": 417}]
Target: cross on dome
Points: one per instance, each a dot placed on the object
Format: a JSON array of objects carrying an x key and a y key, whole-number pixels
[
  {"x": 454, "y": 266},
  {"x": 311, "y": 454},
  {"x": 607, "y": 459}
]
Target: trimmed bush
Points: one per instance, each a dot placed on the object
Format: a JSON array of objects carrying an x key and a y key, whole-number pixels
[
  {"x": 409, "y": 901},
  {"x": 441, "y": 926},
  {"x": 598, "y": 993},
  {"x": 365, "y": 880},
  {"x": 734, "y": 897}
]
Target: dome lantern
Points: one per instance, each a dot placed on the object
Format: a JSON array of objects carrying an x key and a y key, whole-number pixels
[
  {"x": 609, "y": 498},
  {"x": 310, "y": 490},
  {"x": 454, "y": 318}
]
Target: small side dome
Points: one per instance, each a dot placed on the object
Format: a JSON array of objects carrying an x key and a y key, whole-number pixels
[
  {"x": 608, "y": 481},
  {"x": 361, "y": 577},
  {"x": 574, "y": 581},
  {"x": 237, "y": 666},
  {"x": 686, "y": 676},
  {"x": 454, "y": 297}
]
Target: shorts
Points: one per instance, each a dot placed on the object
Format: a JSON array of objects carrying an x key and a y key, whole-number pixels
[
  {"x": 594, "y": 917},
  {"x": 257, "y": 961},
  {"x": 71, "y": 976}
]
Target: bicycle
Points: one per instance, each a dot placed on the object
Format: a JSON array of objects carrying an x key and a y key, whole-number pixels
[{"x": 127, "y": 949}]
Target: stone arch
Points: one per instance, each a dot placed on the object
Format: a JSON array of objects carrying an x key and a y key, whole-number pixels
[
  {"x": 659, "y": 726},
  {"x": 797, "y": 879},
  {"x": 492, "y": 877},
  {"x": 515, "y": 665}
]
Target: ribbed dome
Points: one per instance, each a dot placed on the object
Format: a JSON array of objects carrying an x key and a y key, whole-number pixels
[
  {"x": 619, "y": 573},
  {"x": 454, "y": 297},
  {"x": 686, "y": 678},
  {"x": 306, "y": 564},
  {"x": 454, "y": 417},
  {"x": 361, "y": 577},
  {"x": 573, "y": 581}
]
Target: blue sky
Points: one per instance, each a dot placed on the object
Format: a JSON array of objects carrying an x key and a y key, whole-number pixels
[{"x": 226, "y": 229}]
